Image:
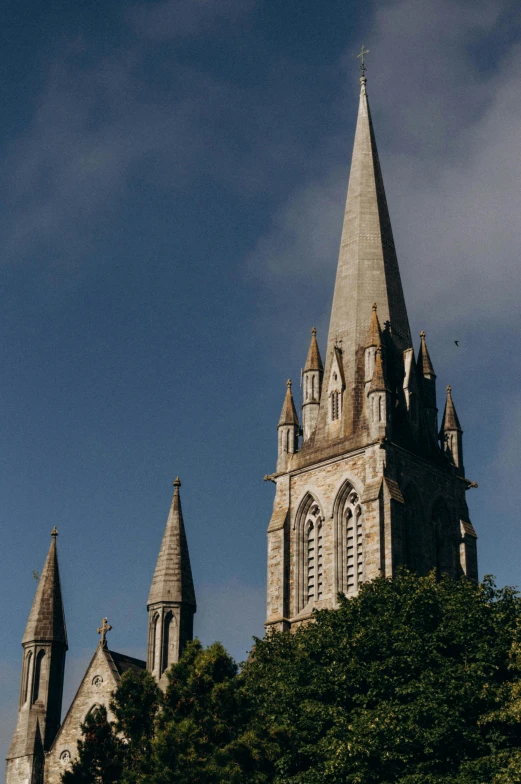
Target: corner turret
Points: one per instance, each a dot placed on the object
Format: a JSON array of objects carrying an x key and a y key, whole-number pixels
[
  {"x": 378, "y": 399},
  {"x": 171, "y": 601},
  {"x": 451, "y": 434},
  {"x": 428, "y": 389},
  {"x": 44, "y": 647},
  {"x": 312, "y": 387},
  {"x": 288, "y": 429}
]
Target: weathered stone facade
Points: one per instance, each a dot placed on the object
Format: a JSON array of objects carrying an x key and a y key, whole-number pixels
[
  {"x": 99, "y": 682},
  {"x": 369, "y": 484},
  {"x": 41, "y": 749}
]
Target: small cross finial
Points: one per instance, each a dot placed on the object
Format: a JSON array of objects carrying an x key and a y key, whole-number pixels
[
  {"x": 177, "y": 482},
  {"x": 375, "y": 307},
  {"x": 103, "y": 629},
  {"x": 362, "y": 54},
  {"x": 54, "y": 531},
  {"x": 422, "y": 334},
  {"x": 288, "y": 384},
  {"x": 314, "y": 332},
  {"x": 449, "y": 389}
]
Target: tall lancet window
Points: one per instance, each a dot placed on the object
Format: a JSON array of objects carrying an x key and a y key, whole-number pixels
[
  {"x": 27, "y": 678},
  {"x": 311, "y": 562},
  {"x": 335, "y": 406},
  {"x": 349, "y": 533},
  {"x": 38, "y": 675},
  {"x": 354, "y": 554},
  {"x": 309, "y": 555},
  {"x": 156, "y": 644}
]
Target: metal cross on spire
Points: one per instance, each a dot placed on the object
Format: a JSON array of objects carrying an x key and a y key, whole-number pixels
[
  {"x": 103, "y": 629},
  {"x": 362, "y": 54}
]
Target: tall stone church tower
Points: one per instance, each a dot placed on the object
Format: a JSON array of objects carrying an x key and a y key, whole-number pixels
[
  {"x": 44, "y": 646},
  {"x": 368, "y": 483}
]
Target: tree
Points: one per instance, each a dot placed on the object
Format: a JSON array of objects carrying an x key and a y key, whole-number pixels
[
  {"x": 401, "y": 684},
  {"x": 414, "y": 681},
  {"x": 100, "y": 753},
  {"x": 135, "y": 706},
  {"x": 203, "y": 734}
]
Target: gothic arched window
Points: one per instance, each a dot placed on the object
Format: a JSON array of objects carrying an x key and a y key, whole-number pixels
[
  {"x": 310, "y": 593},
  {"x": 309, "y": 554},
  {"x": 349, "y": 535},
  {"x": 27, "y": 678},
  {"x": 167, "y": 635},
  {"x": 38, "y": 675},
  {"x": 156, "y": 644}
]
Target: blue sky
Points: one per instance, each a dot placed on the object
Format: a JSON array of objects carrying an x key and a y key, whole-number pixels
[{"x": 173, "y": 179}]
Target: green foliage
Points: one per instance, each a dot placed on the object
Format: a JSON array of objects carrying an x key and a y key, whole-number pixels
[
  {"x": 135, "y": 706},
  {"x": 203, "y": 735},
  {"x": 402, "y": 684},
  {"x": 99, "y": 753},
  {"x": 415, "y": 681}
]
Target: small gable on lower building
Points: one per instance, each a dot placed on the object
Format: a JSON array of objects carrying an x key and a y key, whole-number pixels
[{"x": 100, "y": 681}]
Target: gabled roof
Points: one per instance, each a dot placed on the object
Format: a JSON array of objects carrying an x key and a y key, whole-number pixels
[
  {"x": 122, "y": 662},
  {"x": 172, "y": 580},
  {"x": 46, "y": 619},
  {"x": 288, "y": 415}
]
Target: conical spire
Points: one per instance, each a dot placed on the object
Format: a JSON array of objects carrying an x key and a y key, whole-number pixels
[
  {"x": 424, "y": 361},
  {"x": 374, "y": 335},
  {"x": 172, "y": 581},
  {"x": 367, "y": 269},
  {"x": 450, "y": 418},
  {"x": 378, "y": 383},
  {"x": 288, "y": 414},
  {"x": 314, "y": 360},
  {"x": 46, "y": 619}
]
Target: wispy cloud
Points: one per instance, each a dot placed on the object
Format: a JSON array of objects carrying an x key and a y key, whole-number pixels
[{"x": 448, "y": 138}]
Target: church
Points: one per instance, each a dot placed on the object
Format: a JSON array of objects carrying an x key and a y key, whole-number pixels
[{"x": 366, "y": 482}]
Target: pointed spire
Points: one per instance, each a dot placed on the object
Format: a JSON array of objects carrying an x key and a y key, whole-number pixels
[
  {"x": 367, "y": 270},
  {"x": 424, "y": 361},
  {"x": 314, "y": 360},
  {"x": 374, "y": 335},
  {"x": 288, "y": 414},
  {"x": 378, "y": 383},
  {"x": 450, "y": 418},
  {"x": 172, "y": 581},
  {"x": 367, "y": 264},
  {"x": 46, "y": 619}
]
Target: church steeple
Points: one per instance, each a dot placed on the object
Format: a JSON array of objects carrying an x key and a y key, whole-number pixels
[
  {"x": 171, "y": 601},
  {"x": 44, "y": 646},
  {"x": 368, "y": 485},
  {"x": 367, "y": 269}
]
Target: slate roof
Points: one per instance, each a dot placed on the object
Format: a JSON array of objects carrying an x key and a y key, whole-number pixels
[
  {"x": 46, "y": 619},
  {"x": 172, "y": 581}
]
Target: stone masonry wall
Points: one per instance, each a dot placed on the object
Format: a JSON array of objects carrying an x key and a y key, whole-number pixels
[{"x": 96, "y": 688}]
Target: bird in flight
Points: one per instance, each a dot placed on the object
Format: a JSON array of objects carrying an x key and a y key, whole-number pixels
[{"x": 456, "y": 342}]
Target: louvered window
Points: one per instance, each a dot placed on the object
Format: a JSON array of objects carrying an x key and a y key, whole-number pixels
[{"x": 311, "y": 563}]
